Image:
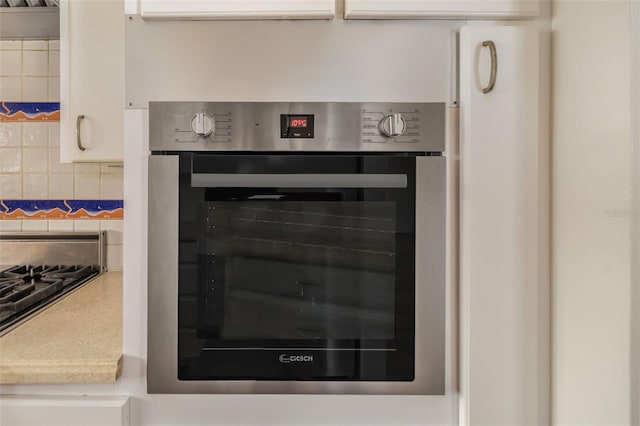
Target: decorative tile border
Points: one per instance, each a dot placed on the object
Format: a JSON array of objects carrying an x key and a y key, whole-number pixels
[
  {"x": 61, "y": 209},
  {"x": 29, "y": 111}
]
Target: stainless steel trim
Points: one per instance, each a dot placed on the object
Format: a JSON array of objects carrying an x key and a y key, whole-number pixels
[
  {"x": 257, "y": 180},
  {"x": 71, "y": 248},
  {"x": 255, "y": 127},
  {"x": 36, "y": 23},
  {"x": 494, "y": 65},
  {"x": 162, "y": 363},
  {"x": 162, "y": 332},
  {"x": 78, "y": 137},
  {"x": 431, "y": 245},
  {"x": 103, "y": 251}
]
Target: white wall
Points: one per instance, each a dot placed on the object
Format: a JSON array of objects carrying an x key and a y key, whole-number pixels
[
  {"x": 591, "y": 217},
  {"x": 336, "y": 60}
]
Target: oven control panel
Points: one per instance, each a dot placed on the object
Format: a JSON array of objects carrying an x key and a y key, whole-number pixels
[{"x": 296, "y": 126}]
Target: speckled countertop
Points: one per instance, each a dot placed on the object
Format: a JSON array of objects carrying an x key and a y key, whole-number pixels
[{"x": 76, "y": 340}]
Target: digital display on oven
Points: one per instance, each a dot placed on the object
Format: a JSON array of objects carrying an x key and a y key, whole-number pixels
[
  {"x": 297, "y": 126},
  {"x": 299, "y": 122}
]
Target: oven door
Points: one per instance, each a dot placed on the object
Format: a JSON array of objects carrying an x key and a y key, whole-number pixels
[{"x": 296, "y": 273}]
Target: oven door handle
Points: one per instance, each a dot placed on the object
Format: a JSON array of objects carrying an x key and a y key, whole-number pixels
[{"x": 260, "y": 180}]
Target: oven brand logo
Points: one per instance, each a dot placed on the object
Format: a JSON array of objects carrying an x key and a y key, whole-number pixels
[{"x": 285, "y": 359}]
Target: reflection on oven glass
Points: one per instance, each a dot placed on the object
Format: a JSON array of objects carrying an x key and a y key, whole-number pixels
[{"x": 296, "y": 270}]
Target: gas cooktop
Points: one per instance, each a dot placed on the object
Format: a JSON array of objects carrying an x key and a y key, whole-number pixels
[
  {"x": 26, "y": 288},
  {"x": 42, "y": 268}
]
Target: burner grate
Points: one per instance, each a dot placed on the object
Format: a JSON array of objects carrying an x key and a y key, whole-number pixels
[{"x": 26, "y": 288}]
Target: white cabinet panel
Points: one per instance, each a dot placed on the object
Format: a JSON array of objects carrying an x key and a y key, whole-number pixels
[
  {"x": 64, "y": 411},
  {"x": 416, "y": 9},
  {"x": 502, "y": 230},
  {"x": 238, "y": 9},
  {"x": 91, "y": 79}
]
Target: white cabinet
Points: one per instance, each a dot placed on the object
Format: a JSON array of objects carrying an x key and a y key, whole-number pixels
[
  {"x": 503, "y": 230},
  {"x": 64, "y": 410},
  {"x": 237, "y": 9},
  {"x": 91, "y": 80},
  {"x": 416, "y": 9}
]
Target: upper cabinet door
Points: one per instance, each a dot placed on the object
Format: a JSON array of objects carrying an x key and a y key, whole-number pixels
[
  {"x": 91, "y": 80},
  {"x": 238, "y": 9},
  {"x": 421, "y": 9}
]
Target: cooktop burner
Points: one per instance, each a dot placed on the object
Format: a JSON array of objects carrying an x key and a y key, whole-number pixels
[{"x": 25, "y": 289}]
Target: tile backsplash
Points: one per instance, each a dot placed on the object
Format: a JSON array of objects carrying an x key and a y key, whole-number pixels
[{"x": 30, "y": 167}]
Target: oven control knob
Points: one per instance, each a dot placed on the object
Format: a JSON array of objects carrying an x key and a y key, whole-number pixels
[
  {"x": 202, "y": 124},
  {"x": 393, "y": 125}
]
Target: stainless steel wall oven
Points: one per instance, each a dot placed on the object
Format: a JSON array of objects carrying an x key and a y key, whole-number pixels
[{"x": 296, "y": 248}]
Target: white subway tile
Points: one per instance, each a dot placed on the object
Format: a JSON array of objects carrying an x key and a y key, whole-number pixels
[
  {"x": 111, "y": 187},
  {"x": 54, "y": 89},
  {"x": 10, "y": 44},
  {"x": 114, "y": 257},
  {"x": 54, "y": 44},
  {"x": 10, "y": 160},
  {"x": 54, "y": 135},
  {"x": 55, "y": 166},
  {"x": 10, "y": 134},
  {"x": 54, "y": 63},
  {"x": 35, "y": 186},
  {"x": 34, "y": 160},
  {"x": 34, "y": 89},
  {"x": 35, "y": 134},
  {"x": 35, "y": 63},
  {"x": 11, "y": 186},
  {"x": 62, "y": 225},
  {"x": 11, "y": 225},
  {"x": 87, "y": 186},
  {"x": 114, "y": 230},
  {"x": 88, "y": 168},
  {"x": 35, "y": 225},
  {"x": 10, "y": 62},
  {"x": 61, "y": 186},
  {"x": 35, "y": 45},
  {"x": 87, "y": 225},
  {"x": 11, "y": 88}
]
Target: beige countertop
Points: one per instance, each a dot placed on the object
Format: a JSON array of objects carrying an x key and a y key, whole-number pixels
[{"x": 76, "y": 340}]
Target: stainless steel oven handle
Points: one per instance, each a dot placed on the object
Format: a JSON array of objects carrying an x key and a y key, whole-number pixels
[{"x": 256, "y": 180}]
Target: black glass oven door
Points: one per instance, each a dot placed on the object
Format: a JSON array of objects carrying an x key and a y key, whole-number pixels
[{"x": 296, "y": 267}]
